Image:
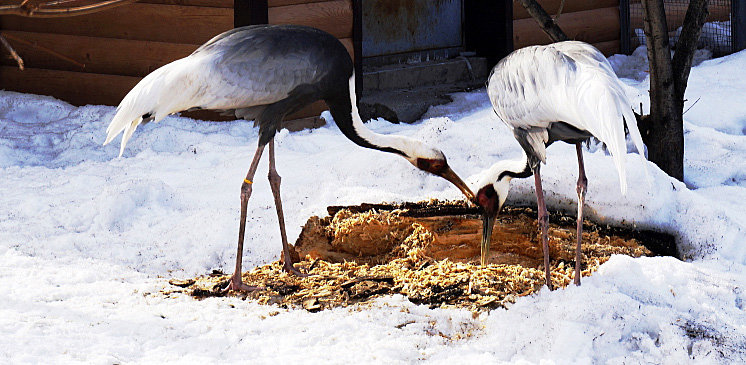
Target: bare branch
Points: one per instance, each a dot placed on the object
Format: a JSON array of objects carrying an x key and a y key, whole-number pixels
[
  {"x": 695, "y": 17},
  {"x": 559, "y": 11},
  {"x": 44, "y": 49},
  {"x": 43, "y": 10},
  {"x": 12, "y": 52},
  {"x": 545, "y": 21}
]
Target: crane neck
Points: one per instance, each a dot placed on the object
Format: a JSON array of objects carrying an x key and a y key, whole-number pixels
[
  {"x": 510, "y": 169},
  {"x": 346, "y": 115}
]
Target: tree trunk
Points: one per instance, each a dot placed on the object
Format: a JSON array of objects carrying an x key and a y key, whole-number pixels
[
  {"x": 545, "y": 21},
  {"x": 694, "y": 19},
  {"x": 663, "y": 130}
]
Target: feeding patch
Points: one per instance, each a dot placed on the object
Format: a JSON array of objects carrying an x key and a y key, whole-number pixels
[{"x": 429, "y": 252}]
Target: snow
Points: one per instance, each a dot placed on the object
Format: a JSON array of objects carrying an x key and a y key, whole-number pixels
[{"x": 87, "y": 240}]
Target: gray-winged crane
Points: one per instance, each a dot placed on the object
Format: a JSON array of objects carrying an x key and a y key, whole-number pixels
[
  {"x": 264, "y": 73},
  {"x": 564, "y": 91}
]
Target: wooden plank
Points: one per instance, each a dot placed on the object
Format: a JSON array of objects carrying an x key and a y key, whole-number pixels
[
  {"x": 334, "y": 17},
  {"x": 147, "y": 22},
  {"x": 347, "y": 42},
  {"x": 208, "y": 3},
  {"x": 571, "y": 6},
  {"x": 80, "y": 88},
  {"x": 274, "y": 3},
  {"x": 77, "y": 88},
  {"x": 590, "y": 26},
  {"x": 98, "y": 55},
  {"x": 608, "y": 48}
]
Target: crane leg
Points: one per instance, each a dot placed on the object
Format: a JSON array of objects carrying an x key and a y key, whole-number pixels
[
  {"x": 246, "y": 188},
  {"x": 544, "y": 224},
  {"x": 581, "y": 188},
  {"x": 274, "y": 183}
]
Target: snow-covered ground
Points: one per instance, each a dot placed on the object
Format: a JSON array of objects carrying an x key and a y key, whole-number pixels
[{"x": 87, "y": 240}]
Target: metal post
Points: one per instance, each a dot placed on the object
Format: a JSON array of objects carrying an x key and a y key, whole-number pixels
[
  {"x": 357, "y": 45},
  {"x": 738, "y": 24},
  {"x": 249, "y": 12},
  {"x": 624, "y": 24}
]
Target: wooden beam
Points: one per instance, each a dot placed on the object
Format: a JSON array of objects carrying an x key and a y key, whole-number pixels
[
  {"x": 148, "y": 22},
  {"x": 334, "y": 17},
  {"x": 207, "y": 3},
  {"x": 590, "y": 26},
  {"x": 77, "y": 88},
  {"x": 273, "y": 3},
  {"x": 571, "y": 6},
  {"x": 98, "y": 55},
  {"x": 608, "y": 48},
  {"x": 348, "y": 43}
]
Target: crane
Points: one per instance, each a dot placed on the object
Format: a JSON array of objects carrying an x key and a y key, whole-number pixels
[
  {"x": 565, "y": 91},
  {"x": 263, "y": 73}
]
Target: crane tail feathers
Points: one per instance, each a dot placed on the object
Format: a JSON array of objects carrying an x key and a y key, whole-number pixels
[
  {"x": 126, "y": 120},
  {"x": 634, "y": 133},
  {"x": 151, "y": 99}
]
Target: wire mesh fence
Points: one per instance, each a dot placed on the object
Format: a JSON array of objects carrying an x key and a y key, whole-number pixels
[{"x": 717, "y": 35}]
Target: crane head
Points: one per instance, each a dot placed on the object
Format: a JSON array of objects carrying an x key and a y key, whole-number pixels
[
  {"x": 439, "y": 166},
  {"x": 490, "y": 197}
]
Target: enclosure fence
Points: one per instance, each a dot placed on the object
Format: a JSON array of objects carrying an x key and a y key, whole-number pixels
[{"x": 724, "y": 31}]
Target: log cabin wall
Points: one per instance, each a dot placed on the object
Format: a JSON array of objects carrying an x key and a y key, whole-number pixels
[
  {"x": 98, "y": 58},
  {"x": 332, "y": 16},
  {"x": 592, "y": 21}
]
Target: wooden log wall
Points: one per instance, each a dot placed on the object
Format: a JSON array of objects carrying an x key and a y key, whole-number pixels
[
  {"x": 98, "y": 58},
  {"x": 334, "y": 16},
  {"x": 592, "y": 21}
]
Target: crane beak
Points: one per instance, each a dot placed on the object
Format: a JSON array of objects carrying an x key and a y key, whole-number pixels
[
  {"x": 456, "y": 180},
  {"x": 488, "y": 222}
]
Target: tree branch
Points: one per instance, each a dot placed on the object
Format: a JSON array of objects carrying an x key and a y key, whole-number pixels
[
  {"x": 12, "y": 51},
  {"x": 559, "y": 11},
  {"x": 695, "y": 17},
  {"x": 43, "y": 49},
  {"x": 44, "y": 11},
  {"x": 545, "y": 21}
]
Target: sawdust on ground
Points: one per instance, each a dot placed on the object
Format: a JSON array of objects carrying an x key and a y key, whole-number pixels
[{"x": 355, "y": 256}]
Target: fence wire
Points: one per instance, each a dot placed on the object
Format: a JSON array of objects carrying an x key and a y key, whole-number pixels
[{"x": 716, "y": 33}]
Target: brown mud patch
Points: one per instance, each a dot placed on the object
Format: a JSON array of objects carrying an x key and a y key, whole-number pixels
[{"x": 429, "y": 252}]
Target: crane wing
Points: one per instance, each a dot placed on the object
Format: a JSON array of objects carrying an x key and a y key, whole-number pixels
[
  {"x": 570, "y": 82},
  {"x": 250, "y": 66},
  {"x": 236, "y": 70}
]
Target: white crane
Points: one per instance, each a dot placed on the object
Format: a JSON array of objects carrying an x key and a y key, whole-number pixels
[
  {"x": 264, "y": 73},
  {"x": 565, "y": 91}
]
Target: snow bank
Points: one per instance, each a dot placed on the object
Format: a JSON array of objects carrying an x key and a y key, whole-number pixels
[{"x": 87, "y": 240}]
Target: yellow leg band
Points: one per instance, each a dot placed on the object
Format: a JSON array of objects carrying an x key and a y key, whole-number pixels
[{"x": 248, "y": 181}]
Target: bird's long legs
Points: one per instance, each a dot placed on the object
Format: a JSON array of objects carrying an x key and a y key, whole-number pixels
[
  {"x": 274, "y": 183},
  {"x": 246, "y": 187},
  {"x": 581, "y": 188},
  {"x": 544, "y": 224}
]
